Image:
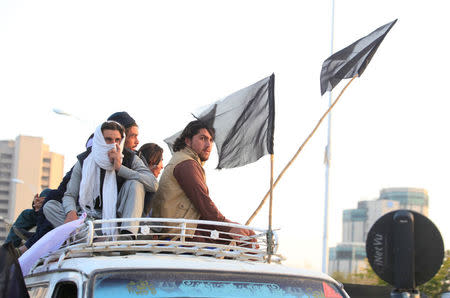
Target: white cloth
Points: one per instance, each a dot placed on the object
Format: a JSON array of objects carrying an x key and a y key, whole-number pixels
[
  {"x": 90, "y": 181},
  {"x": 48, "y": 244}
]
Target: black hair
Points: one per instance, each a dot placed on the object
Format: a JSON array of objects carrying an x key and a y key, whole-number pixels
[
  {"x": 151, "y": 152},
  {"x": 189, "y": 131},
  {"x": 113, "y": 125}
]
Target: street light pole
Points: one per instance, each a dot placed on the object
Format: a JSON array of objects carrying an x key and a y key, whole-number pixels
[
  {"x": 87, "y": 123},
  {"x": 327, "y": 166},
  {"x": 19, "y": 181},
  {"x": 64, "y": 113}
]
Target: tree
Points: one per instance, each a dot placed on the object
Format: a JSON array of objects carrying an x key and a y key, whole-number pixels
[
  {"x": 365, "y": 277},
  {"x": 339, "y": 276},
  {"x": 440, "y": 282}
]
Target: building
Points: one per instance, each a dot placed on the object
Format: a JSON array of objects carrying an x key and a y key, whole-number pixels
[
  {"x": 415, "y": 199},
  {"x": 349, "y": 256},
  {"x": 26, "y": 167}
]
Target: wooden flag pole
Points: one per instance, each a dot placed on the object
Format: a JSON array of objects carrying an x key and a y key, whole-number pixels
[
  {"x": 296, "y": 154},
  {"x": 270, "y": 243}
]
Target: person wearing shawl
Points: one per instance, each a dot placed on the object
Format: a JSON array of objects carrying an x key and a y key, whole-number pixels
[
  {"x": 131, "y": 129},
  {"x": 105, "y": 176}
]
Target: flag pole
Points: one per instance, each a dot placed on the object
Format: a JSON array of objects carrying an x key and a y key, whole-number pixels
[
  {"x": 270, "y": 232},
  {"x": 298, "y": 151},
  {"x": 327, "y": 164}
]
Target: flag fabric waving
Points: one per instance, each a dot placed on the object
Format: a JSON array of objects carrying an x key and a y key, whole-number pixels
[
  {"x": 49, "y": 243},
  {"x": 352, "y": 60},
  {"x": 243, "y": 122}
]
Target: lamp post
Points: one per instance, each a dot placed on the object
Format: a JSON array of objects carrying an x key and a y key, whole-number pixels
[
  {"x": 87, "y": 123},
  {"x": 64, "y": 113},
  {"x": 84, "y": 128},
  {"x": 19, "y": 181},
  {"x": 327, "y": 167}
]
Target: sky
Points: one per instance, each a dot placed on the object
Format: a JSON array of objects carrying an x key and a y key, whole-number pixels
[{"x": 162, "y": 60}]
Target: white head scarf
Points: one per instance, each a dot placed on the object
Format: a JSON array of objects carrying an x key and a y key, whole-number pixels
[{"x": 90, "y": 181}]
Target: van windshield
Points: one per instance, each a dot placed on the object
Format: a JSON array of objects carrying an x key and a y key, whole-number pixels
[{"x": 187, "y": 283}]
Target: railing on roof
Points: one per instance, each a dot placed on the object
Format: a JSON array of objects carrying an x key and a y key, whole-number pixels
[{"x": 153, "y": 237}]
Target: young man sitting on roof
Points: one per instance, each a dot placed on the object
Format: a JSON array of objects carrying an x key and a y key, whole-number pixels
[
  {"x": 104, "y": 177},
  {"x": 26, "y": 220},
  {"x": 183, "y": 192}
]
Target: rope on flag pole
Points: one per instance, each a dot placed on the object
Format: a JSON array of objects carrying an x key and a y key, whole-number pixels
[{"x": 295, "y": 156}]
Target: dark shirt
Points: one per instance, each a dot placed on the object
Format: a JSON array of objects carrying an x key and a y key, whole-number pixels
[
  {"x": 189, "y": 176},
  {"x": 43, "y": 226}
]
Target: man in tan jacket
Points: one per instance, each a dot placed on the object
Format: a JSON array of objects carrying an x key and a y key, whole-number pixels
[{"x": 182, "y": 191}]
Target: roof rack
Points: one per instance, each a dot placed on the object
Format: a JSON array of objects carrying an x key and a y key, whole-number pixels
[{"x": 153, "y": 237}]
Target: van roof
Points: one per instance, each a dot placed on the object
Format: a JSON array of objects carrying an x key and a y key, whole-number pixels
[
  {"x": 88, "y": 250},
  {"x": 144, "y": 261}
]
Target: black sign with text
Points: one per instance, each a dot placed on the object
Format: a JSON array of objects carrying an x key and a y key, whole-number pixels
[{"x": 388, "y": 242}]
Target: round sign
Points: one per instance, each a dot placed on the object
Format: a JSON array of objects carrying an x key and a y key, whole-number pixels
[{"x": 428, "y": 247}]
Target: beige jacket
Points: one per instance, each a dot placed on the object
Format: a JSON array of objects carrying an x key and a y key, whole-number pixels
[{"x": 170, "y": 201}]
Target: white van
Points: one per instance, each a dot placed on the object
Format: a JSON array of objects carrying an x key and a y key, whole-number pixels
[{"x": 157, "y": 264}]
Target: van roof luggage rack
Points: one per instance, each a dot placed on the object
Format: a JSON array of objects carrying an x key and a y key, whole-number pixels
[{"x": 164, "y": 236}]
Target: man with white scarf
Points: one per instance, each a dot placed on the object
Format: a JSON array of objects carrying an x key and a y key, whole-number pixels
[{"x": 104, "y": 177}]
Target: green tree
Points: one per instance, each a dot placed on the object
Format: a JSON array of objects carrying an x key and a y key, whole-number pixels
[
  {"x": 373, "y": 276},
  {"x": 340, "y": 276},
  {"x": 366, "y": 277},
  {"x": 440, "y": 282}
]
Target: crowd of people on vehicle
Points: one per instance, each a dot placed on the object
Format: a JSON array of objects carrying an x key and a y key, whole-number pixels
[{"x": 112, "y": 179}]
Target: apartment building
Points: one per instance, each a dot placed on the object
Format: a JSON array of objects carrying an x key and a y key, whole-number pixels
[{"x": 26, "y": 167}]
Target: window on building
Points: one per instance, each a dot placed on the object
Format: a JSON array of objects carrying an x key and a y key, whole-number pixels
[
  {"x": 4, "y": 183},
  {"x": 45, "y": 170},
  {"x": 3, "y": 201},
  {"x": 46, "y": 160},
  {"x": 6, "y": 156},
  {"x": 3, "y": 210},
  {"x": 4, "y": 165},
  {"x": 4, "y": 192},
  {"x": 5, "y": 174},
  {"x": 346, "y": 254}
]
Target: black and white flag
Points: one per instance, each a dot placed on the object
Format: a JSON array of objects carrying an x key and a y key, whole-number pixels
[
  {"x": 243, "y": 123},
  {"x": 352, "y": 60}
]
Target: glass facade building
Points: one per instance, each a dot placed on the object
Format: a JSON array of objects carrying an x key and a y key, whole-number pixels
[{"x": 349, "y": 256}]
